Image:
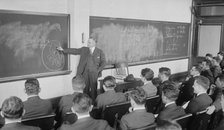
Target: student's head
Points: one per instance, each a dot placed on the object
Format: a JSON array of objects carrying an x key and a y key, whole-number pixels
[
  {"x": 220, "y": 81},
  {"x": 208, "y": 56},
  {"x": 215, "y": 61},
  {"x": 78, "y": 83},
  {"x": 91, "y": 42},
  {"x": 164, "y": 73},
  {"x": 12, "y": 108},
  {"x": 82, "y": 104},
  {"x": 109, "y": 83},
  {"x": 32, "y": 86},
  {"x": 201, "y": 84},
  {"x": 169, "y": 93},
  {"x": 220, "y": 55},
  {"x": 168, "y": 125},
  {"x": 195, "y": 70},
  {"x": 206, "y": 64},
  {"x": 147, "y": 74},
  {"x": 137, "y": 97}
]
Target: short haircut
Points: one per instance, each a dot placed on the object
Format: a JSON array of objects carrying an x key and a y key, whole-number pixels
[
  {"x": 147, "y": 73},
  {"x": 168, "y": 125},
  {"x": 221, "y": 78},
  {"x": 203, "y": 81},
  {"x": 109, "y": 82},
  {"x": 166, "y": 71},
  {"x": 216, "y": 59},
  {"x": 138, "y": 95},
  {"x": 81, "y": 103},
  {"x": 12, "y": 108},
  {"x": 78, "y": 83},
  {"x": 170, "y": 91},
  {"x": 32, "y": 86},
  {"x": 221, "y": 53},
  {"x": 207, "y": 62},
  {"x": 209, "y": 55}
]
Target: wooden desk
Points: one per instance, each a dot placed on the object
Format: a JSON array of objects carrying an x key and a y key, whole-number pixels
[{"x": 122, "y": 86}]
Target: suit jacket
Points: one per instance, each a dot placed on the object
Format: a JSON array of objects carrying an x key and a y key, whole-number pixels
[
  {"x": 199, "y": 103},
  {"x": 208, "y": 74},
  {"x": 87, "y": 123},
  {"x": 84, "y": 52},
  {"x": 170, "y": 112},
  {"x": 110, "y": 97},
  {"x": 136, "y": 119},
  {"x": 186, "y": 91},
  {"x": 150, "y": 89},
  {"x": 18, "y": 126},
  {"x": 35, "y": 106}
]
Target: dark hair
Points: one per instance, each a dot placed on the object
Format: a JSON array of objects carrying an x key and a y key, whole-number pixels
[
  {"x": 12, "y": 108},
  {"x": 197, "y": 68},
  {"x": 207, "y": 62},
  {"x": 203, "y": 81},
  {"x": 168, "y": 125},
  {"x": 78, "y": 83},
  {"x": 209, "y": 55},
  {"x": 170, "y": 91},
  {"x": 82, "y": 103},
  {"x": 221, "y": 53},
  {"x": 165, "y": 71},
  {"x": 109, "y": 82},
  {"x": 147, "y": 73},
  {"x": 138, "y": 95},
  {"x": 32, "y": 86},
  {"x": 221, "y": 77}
]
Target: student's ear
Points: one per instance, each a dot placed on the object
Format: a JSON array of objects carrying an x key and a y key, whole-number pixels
[
  {"x": 24, "y": 111},
  {"x": 90, "y": 108},
  {"x": 2, "y": 114},
  {"x": 73, "y": 111}
]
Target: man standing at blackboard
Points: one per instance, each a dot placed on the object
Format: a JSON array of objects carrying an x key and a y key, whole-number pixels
[{"x": 91, "y": 63}]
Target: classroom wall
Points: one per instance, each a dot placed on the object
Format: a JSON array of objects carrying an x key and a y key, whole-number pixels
[{"x": 80, "y": 10}]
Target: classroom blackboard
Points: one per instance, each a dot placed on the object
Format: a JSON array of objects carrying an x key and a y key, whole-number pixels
[
  {"x": 139, "y": 41},
  {"x": 28, "y": 44}
]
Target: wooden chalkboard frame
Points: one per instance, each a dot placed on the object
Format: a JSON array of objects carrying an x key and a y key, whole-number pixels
[
  {"x": 187, "y": 56},
  {"x": 63, "y": 20}
]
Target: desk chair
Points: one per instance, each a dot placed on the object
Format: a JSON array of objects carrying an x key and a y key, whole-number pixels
[
  {"x": 44, "y": 122},
  {"x": 199, "y": 121},
  {"x": 183, "y": 121},
  {"x": 152, "y": 103},
  {"x": 115, "y": 112}
]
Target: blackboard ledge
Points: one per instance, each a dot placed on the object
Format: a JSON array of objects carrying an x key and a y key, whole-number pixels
[
  {"x": 39, "y": 75},
  {"x": 148, "y": 62}
]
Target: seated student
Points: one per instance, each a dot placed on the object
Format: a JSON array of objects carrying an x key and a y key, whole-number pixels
[
  {"x": 171, "y": 110},
  {"x": 168, "y": 125},
  {"x": 147, "y": 76},
  {"x": 220, "y": 55},
  {"x": 164, "y": 74},
  {"x": 186, "y": 90},
  {"x": 34, "y": 105},
  {"x": 206, "y": 71},
  {"x": 138, "y": 116},
  {"x": 65, "y": 104},
  {"x": 82, "y": 105},
  {"x": 209, "y": 57},
  {"x": 109, "y": 96},
  {"x": 216, "y": 69},
  {"x": 202, "y": 100},
  {"x": 12, "y": 111}
]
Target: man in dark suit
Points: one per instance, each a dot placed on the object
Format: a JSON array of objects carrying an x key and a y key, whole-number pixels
[
  {"x": 12, "y": 111},
  {"x": 202, "y": 100},
  {"x": 109, "y": 96},
  {"x": 82, "y": 105},
  {"x": 186, "y": 90},
  {"x": 171, "y": 110},
  {"x": 138, "y": 116},
  {"x": 65, "y": 104},
  {"x": 34, "y": 105},
  {"x": 91, "y": 63}
]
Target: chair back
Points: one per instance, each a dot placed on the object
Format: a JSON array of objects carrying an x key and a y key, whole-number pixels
[
  {"x": 111, "y": 111},
  {"x": 199, "y": 121},
  {"x": 44, "y": 122},
  {"x": 183, "y": 121},
  {"x": 152, "y": 103}
]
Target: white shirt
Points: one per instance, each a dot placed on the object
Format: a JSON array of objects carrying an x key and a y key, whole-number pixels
[
  {"x": 92, "y": 49},
  {"x": 173, "y": 102}
]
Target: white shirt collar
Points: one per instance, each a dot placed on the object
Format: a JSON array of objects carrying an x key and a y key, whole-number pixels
[
  {"x": 201, "y": 93},
  {"x": 83, "y": 116},
  {"x": 12, "y": 121},
  {"x": 173, "y": 102},
  {"x": 139, "y": 108},
  {"x": 32, "y": 96},
  {"x": 92, "y": 49}
]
